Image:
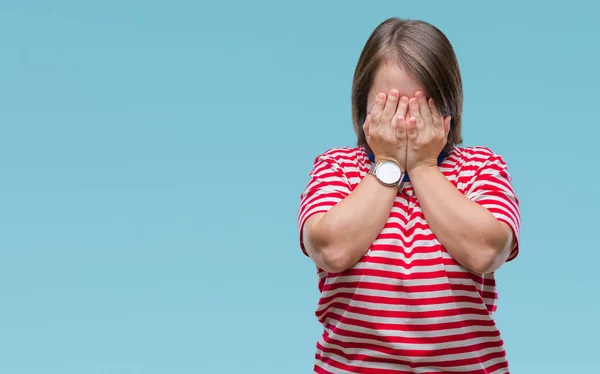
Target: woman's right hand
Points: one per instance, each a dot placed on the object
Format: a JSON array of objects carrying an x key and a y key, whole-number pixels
[{"x": 385, "y": 128}]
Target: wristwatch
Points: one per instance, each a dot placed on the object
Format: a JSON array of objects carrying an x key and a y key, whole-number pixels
[{"x": 388, "y": 173}]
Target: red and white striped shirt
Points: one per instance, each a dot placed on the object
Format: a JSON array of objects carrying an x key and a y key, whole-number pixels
[{"x": 407, "y": 306}]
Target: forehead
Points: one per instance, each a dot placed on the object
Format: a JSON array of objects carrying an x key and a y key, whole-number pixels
[{"x": 390, "y": 76}]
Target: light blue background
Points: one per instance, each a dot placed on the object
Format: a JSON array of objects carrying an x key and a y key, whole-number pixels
[{"x": 152, "y": 155}]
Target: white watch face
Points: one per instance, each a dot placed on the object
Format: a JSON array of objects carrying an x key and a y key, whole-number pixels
[{"x": 389, "y": 173}]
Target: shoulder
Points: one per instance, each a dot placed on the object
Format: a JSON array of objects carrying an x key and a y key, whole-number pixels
[
  {"x": 349, "y": 163},
  {"x": 344, "y": 156},
  {"x": 477, "y": 163},
  {"x": 475, "y": 156}
]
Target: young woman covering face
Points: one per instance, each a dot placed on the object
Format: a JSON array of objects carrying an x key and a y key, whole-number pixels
[{"x": 407, "y": 228}]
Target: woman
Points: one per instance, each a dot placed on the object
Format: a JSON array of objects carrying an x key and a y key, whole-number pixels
[{"x": 408, "y": 228}]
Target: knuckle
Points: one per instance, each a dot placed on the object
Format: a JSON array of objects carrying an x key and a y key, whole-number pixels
[
  {"x": 375, "y": 118},
  {"x": 375, "y": 111},
  {"x": 375, "y": 134}
]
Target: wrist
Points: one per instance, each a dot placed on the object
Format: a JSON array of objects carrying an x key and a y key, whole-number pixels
[
  {"x": 388, "y": 172},
  {"x": 422, "y": 169},
  {"x": 377, "y": 185},
  {"x": 379, "y": 158}
]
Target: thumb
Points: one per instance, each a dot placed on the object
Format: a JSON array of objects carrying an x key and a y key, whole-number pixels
[
  {"x": 366, "y": 125},
  {"x": 447, "y": 125}
]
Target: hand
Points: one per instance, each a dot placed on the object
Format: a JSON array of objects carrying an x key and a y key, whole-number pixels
[
  {"x": 427, "y": 133},
  {"x": 385, "y": 128}
]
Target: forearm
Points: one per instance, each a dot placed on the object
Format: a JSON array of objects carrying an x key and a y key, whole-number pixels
[
  {"x": 468, "y": 231},
  {"x": 338, "y": 239}
]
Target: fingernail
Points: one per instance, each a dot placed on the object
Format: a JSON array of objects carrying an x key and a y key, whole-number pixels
[{"x": 381, "y": 96}]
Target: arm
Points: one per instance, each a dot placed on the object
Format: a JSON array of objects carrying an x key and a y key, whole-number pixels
[
  {"x": 472, "y": 235},
  {"x": 478, "y": 230},
  {"x": 339, "y": 226}
]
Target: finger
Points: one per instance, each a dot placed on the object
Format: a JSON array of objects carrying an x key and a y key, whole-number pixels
[
  {"x": 434, "y": 109},
  {"x": 411, "y": 128},
  {"x": 413, "y": 109},
  {"x": 377, "y": 110},
  {"x": 435, "y": 113},
  {"x": 402, "y": 106},
  {"x": 390, "y": 107},
  {"x": 424, "y": 108},
  {"x": 447, "y": 120},
  {"x": 400, "y": 127},
  {"x": 394, "y": 124}
]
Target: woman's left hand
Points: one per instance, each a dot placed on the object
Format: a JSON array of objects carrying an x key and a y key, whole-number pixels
[{"x": 427, "y": 133}]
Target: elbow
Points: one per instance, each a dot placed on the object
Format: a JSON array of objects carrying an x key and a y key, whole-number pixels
[
  {"x": 332, "y": 259},
  {"x": 327, "y": 252},
  {"x": 492, "y": 251},
  {"x": 485, "y": 261}
]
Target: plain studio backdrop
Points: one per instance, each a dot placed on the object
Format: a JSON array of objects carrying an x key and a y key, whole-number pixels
[{"x": 152, "y": 156}]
